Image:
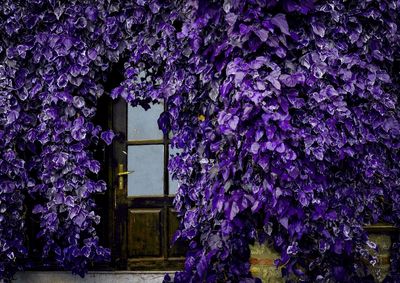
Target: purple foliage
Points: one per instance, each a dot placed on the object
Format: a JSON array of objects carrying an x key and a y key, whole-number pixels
[
  {"x": 286, "y": 114},
  {"x": 53, "y": 58}
]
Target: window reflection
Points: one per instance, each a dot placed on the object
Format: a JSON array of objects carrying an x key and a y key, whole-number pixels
[
  {"x": 147, "y": 162},
  {"x": 142, "y": 124}
]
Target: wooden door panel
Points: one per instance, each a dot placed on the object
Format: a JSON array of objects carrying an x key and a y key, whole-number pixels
[
  {"x": 144, "y": 230},
  {"x": 178, "y": 248}
]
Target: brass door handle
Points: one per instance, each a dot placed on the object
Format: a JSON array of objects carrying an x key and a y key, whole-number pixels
[
  {"x": 121, "y": 173},
  {"x": 124, "y": 173}
]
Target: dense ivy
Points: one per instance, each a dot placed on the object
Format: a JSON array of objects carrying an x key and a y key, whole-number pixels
[
  {"x": 53, "y": 60},
  {"x": 286, "y": 114}
]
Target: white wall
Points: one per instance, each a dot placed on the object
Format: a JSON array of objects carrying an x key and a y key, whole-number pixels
[{"x": 91, "y": 277}]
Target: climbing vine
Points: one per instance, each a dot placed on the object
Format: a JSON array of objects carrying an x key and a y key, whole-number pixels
[{"x": 286, "y": 114}]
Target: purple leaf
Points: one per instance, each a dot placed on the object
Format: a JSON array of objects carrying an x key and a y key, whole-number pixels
[
  {"x": 117, "y": 92},
  {"x": 279, "y": 20},
  {"x": 107, "y": 136}
]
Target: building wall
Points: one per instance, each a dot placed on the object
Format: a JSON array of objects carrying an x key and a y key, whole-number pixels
[
  {"x": 91, "y": 277},
  {"x": 262, "y": 260},
  {"x": 262, "y": 266}
]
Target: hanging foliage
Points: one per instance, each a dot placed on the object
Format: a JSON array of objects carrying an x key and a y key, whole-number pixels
[
  {"x": 54, "y": 57},
  {"x": 286, "y": 114}
]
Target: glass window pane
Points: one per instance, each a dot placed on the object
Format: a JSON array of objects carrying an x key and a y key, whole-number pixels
[
  {"x": 173, "y": 184},
  {"x": 142, "y": 124},
  {"x": 147, "y": 162}
]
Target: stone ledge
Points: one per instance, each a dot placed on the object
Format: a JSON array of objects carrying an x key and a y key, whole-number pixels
[{"x": 91, "y": 277}]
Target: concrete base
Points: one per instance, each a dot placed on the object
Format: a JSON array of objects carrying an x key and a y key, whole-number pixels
[{"x": 91, "y": 277}]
